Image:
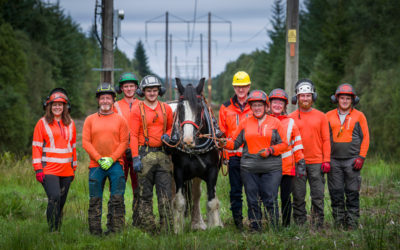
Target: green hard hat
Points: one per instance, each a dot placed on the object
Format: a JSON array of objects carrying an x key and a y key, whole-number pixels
[
  {"x": 128, "y": 77},
  {"x": 105, "y": 88}
]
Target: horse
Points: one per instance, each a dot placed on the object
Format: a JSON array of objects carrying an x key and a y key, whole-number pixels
[{"x": 196, "y": 156}]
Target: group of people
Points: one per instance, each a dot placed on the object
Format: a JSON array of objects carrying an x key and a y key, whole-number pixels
[
  {"x": 268, "y": 149},
  {"x": 265, "y": 148}
]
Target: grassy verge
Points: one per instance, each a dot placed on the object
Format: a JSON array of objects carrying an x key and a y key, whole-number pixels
[{"x": 23, "y": 226}]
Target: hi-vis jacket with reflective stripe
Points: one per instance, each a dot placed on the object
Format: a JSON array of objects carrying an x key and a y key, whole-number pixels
[
  {"x": 255, "y": 137},
  {"x": 350, "y": 139},
  {"x": 294, "y": 152},
  {"x": 230, "y": 115},
  {"x": 54, "y": 148}
]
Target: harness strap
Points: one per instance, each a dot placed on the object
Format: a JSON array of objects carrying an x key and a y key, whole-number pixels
[
  {"x": 143, "y": 116},
  {"x": 164, "y": 113}
]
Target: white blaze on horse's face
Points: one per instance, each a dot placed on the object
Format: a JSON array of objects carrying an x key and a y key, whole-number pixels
[{"x": 188, "y": 129}]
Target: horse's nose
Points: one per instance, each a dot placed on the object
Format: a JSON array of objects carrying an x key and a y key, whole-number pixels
[{"x": 188, "y": 142}]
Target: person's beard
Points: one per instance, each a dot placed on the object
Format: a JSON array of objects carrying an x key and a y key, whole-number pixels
[
  {"x": 306, "y": 105},
  {"x": 105, "y": 107}
]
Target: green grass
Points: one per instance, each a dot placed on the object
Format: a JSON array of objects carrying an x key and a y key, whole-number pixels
[{"x": 23, "y": 220}]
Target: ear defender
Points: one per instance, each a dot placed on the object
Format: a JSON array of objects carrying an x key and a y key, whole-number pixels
[
  {"x": 356, "y": 100},
  {"x": 117, "y": 88},
  {"x": 333, "y": 99},
  {"x": 294, "y": 100},
  {"x": 162, "y": 91},
  {"x": 139, "y": 92}
]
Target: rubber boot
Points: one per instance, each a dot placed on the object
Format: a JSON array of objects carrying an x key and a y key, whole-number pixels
[{"x": 95, "y": 216}]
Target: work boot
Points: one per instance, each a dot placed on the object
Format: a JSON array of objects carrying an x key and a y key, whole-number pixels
[
  {"x": 135, "y": 213},
  {"x": 95, "y": 216},
  {"x": 238, "y": 220},
  {"x": 118, "y": 213},
  {"x": 109, "y": 216}
]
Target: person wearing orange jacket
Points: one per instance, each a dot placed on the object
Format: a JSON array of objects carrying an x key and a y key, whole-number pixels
[
  {"x": 151, "y": 122},
  {"x": 128, "y": 85},
  {"x": 230, "y": 114},
  {"x": 105, "y": 138},
  {"x": 293, "y": 163},
  {"x": 349, "y": 143},
  {"x": 314, "y": 130},
  {"x": 54, "y": 154},
  {"x": 263, "y": 140}
]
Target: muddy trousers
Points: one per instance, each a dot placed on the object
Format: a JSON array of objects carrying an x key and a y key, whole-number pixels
[
  {"x": 316, "y": 180},
  {"x": 286, "y": 199},
  {"x": 56, "y": 188},
  {"x": 157, "y": 171},
  {"x": 265, "y": 187},
  {"x": 97, "y": 179},
  {"x": 344, "y": 186},
  {"x": 236, "y": 192}
]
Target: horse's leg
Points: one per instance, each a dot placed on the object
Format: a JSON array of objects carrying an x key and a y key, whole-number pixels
[
  {"x": 178, "y": 202},
  {"x": 213, "y": 217},
  {"x": 197, "y": 219}
]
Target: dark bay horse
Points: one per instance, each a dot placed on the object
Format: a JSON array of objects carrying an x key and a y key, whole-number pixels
[{"x": 194, "y": 157}]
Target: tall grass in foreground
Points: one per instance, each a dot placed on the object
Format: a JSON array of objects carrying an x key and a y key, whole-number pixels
[{"x": 23, "y": 222}]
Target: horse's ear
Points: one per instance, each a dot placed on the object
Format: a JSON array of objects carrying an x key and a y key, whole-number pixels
[
  {"x": 181, "y": 89},
  {"x": 200, "y": 86}
]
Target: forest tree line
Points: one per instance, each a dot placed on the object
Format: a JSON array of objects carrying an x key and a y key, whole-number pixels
[{"x": 341, "y": 41}]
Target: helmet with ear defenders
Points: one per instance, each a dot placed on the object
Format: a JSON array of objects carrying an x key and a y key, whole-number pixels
[
  {"x": 150, "y": 81},
  {"x": 106, "y": 88},
  {"x": 304, "y": 86},
  {"x": 57, "y": 95},
  {"x": 345, "y": 89},
  {"x": 125, "y": 78}
]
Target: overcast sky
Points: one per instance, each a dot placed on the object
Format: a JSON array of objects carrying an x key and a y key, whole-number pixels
[{"x": 250, "y": 19}]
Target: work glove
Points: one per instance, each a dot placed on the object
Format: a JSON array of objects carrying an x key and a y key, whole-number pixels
[
  {"x": 301, "y": 168},
  {"x": 325, "y": 167},
  {"x": 221, "y": 142},
  {"x": 265, "y": 152},
  {"x": 39, "y": 176},
  {"x": 105, "y": 162},
  {"x": 358, "y": 163},
  {"x": 137, "y": 164}
]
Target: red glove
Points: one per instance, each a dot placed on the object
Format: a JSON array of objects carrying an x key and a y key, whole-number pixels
[
  {"x": 358, "y": 163},
  {"x": 265, "y": 152},
  {"x": 39, "y": 177},
  {"x": 326, "y": 167}
]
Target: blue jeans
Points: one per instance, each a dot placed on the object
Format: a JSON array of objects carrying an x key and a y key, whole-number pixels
[
  {"x": 98, "y": 177},
  {"x": 262, "y": 186},
  {"x": 236, "y": 187}
]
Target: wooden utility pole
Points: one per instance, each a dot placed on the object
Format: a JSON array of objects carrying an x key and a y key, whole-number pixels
[
  {"x": 170, "y": 68},
  {"x": 201, "y": 55},
  {"x": 209, "y": 58},
  {"x": 292, "y": 49},
  {"x": 107, "y": 41},
  {"x": 166, "y": 51}
]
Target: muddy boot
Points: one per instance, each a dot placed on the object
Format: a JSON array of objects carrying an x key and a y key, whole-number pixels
[
  {"x": 109, "y": 216},
  {"x": 95, "y": 216},
  {"x": 135, "y": 214},
  {"x": 238, "y": 219},
  {"x": 118, "y": 213}
]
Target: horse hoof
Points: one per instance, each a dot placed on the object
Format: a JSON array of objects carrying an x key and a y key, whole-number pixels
[{"x": 199, "y": 226}]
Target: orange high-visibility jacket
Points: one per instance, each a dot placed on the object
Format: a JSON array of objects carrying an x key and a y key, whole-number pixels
[
  {"x": 123, "y": 108},
  {"x": 255, "y": 137},
  {"x": 230, "y": 115},
  {"x": 314, "y": 130},
  {"x": 294, "y": 152},
  {"x": 155, "y": 126},
  {"x": 350, "y": 139},
  {"x": 105, "y": 136},
  {"x": 54, "y": 148}
]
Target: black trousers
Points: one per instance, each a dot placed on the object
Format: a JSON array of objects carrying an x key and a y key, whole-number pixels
[
  {"x": 286, "y": 199},
  {"x": 56, "y": 188}
]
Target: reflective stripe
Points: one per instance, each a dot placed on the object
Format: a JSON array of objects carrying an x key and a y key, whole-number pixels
[
  {"x": 57, "y": 160},
  {"x": 297, "y": 138},
  {"x": 36, "y": 160},
  {"x": 239, "y": 150},
  {"x": 70, "y": 134},
  {"x": 37, "y": 143},
  {"x": 298, "y": 147},
  {"x": 74, "y": 145},
  {"x": 58, "y": 150},
  {"x": 286, "y": 154},
  {"x": 237, "y": 119},
  {"x": 75, "y": 163},
  {"x": 116, "y": 105},
  {"x": 49, "y": 133},
  {"x": 289, "y": 130}
]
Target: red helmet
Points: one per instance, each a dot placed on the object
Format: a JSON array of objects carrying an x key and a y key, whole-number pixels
[
  {"x": 279, "y": 94},
  {"x": 345, "y": 89},
  {"x": 57, "y": 97},
  {"x": 258, "y": 95}
]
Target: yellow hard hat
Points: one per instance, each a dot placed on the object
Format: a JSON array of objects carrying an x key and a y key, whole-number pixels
[{"x": 241, "y": 78}]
